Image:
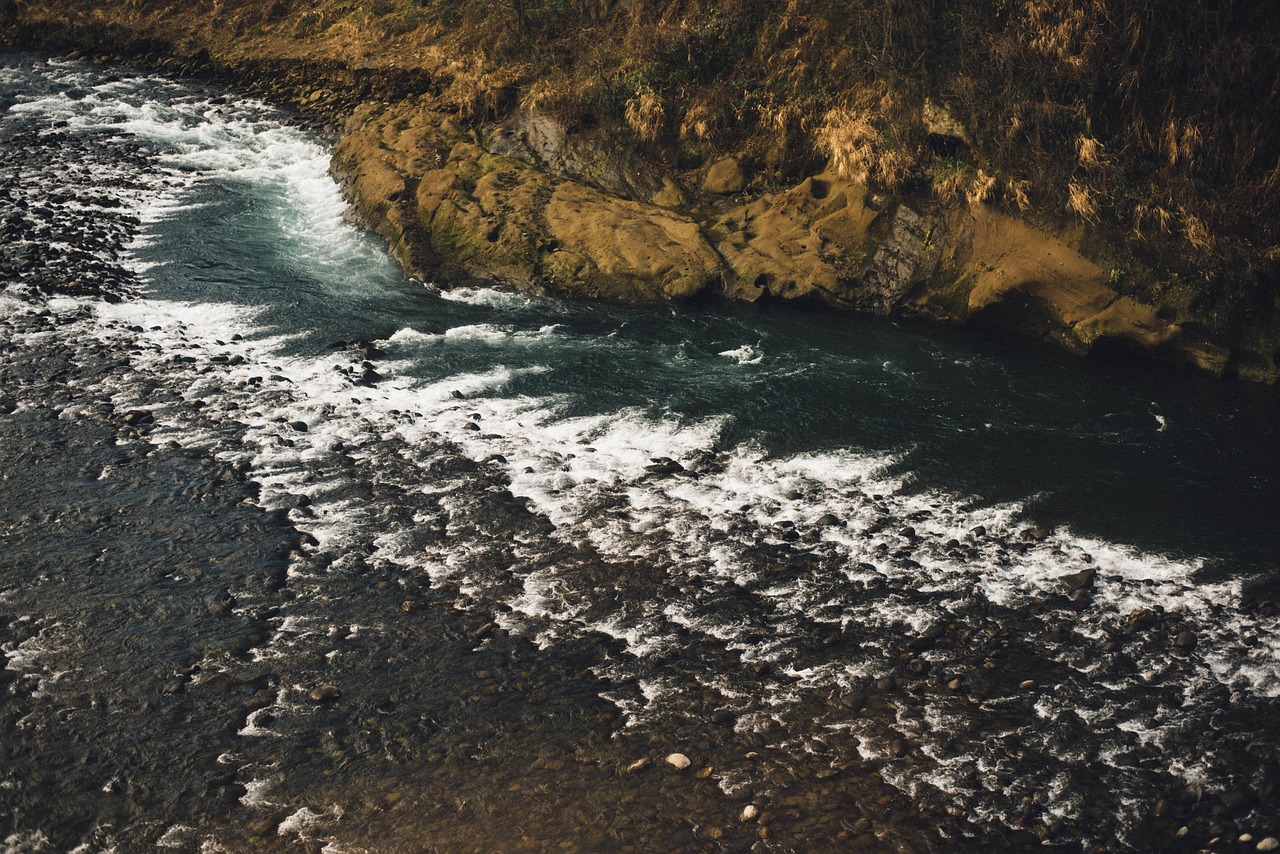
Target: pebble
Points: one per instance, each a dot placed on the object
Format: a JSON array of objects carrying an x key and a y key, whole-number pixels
[
  {"x": 1268, "y": 844},
  {"x": 678, "y": 761},
  {"x": 638, "y": 765},
  {"x": 749, "y": 812}
]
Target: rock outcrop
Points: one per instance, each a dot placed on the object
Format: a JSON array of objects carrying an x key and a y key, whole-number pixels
[{"x": 525, "y": 199}]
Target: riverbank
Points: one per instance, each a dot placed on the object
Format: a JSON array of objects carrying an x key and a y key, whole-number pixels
[{"x": 471, "y": 164}]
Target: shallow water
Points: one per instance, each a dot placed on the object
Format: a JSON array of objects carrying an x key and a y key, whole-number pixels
[{"x": 533, "y": 542}]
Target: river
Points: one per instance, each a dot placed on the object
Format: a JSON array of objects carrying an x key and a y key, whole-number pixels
[{"x": 301, "y": 552}]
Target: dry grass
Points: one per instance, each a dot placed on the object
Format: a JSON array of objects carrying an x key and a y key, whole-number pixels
[
  {"x": 646, "y": 115},
  {"x": 859, "y": 151},
  {"x": 981, "y": 189},
  {"x": 1082, "y": 202},
  {"x": 1089, "y": 152}
]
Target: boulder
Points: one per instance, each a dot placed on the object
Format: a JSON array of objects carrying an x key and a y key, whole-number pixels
[{"x": 724, "y": 177}]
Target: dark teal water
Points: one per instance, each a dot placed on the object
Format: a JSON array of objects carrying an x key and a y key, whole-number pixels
[{"x": 808, "y": 444}]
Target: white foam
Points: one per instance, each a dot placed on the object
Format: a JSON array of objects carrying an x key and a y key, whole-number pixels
[
  {"x": 256, "y": 792},
  {"x": 299, "y": 822},
  {"x": 744, "y": 355},
  {"x": 490, "y": 297}
]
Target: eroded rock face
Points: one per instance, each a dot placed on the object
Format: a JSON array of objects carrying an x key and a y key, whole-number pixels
[
  {"x": 507, "y": 210},
  {"x": 1024, "y": 278},
  {"x": 497, "y": 216},
  {"x": 612, "y": 247},
  {"x": 810, "y": 242}
]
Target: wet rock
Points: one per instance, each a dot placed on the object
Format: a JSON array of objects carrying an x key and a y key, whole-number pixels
[
  {"x": 1082, "y": 580},
  {"x": 324, "y": 693},
  {"x": 723, "y": 716},
  {"x": 854, "y": 700},
  {"x": 137, "y": 417},
  {"x": 1186, "y": 640},
  {"x": 749, "y": 813},
  {"x": 663, "y": 466},
  {"x": 1271, "y": 843},
  {"x": 678, "y": 761},
  {"x": 639, "y": 765},
  {"x": 299, "y": 426},
  {"x": 1143, "y": 618},
  {"x": 929, "y": 638}
]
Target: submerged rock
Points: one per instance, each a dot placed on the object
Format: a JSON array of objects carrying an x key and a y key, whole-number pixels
[
  {"x": 324, "y": 693},
  {"x": 678, "y": 761}
]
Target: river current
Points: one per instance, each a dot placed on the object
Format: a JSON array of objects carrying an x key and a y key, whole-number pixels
[{"x": 300, "y": 552}]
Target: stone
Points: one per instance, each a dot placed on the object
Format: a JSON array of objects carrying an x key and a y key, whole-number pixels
[
  {"x": 854, "y": 700},
  {"x": 300, "y": 426},
  {"x": 669, "y": 196},
  {"x": 324, "y": 693},
  {"x": 1143, "y": 618},
  {"x": 1081, "y": 580},
  {"x": 749, "y": 813},
  {"x": 664, "y": 466},
  {"x": 724, "y": 177},
  {"x": 1269, "y": 844},
  {"x": 938, "y": 120},
  {"x": 136, "y": 417},
  {"x": 1186, "y": 640},
  {"x": 621, "y": 249},
  {"x": 678, "y": 761},
  {"x": 639, "y": 765}
]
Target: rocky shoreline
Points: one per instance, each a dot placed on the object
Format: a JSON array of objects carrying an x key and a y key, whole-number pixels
[{"x": 514, "y": 195}]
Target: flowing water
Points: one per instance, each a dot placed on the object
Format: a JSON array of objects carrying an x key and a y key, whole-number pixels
[{"x": 300, "y": 552}]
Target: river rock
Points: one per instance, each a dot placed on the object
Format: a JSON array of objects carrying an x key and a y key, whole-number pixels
[
  {"x": 324, "y": 693},
  {"x": 724, "y": 177},
  {"x": 1082, "y": 580},
  {"x": 1271, "y": 843},
  {"x": 137, "y": 417},
  {"x": 678, "y": 761}
]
